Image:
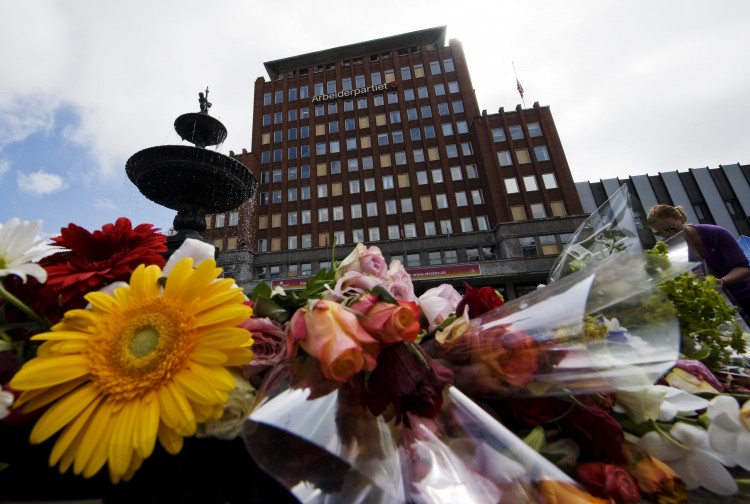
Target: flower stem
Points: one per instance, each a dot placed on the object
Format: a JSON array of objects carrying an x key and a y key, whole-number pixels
[{"x": 10, "y": 298}]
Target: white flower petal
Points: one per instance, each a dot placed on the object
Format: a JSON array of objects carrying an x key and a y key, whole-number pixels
[
  {"x": 661, "y": 449},
  {"x": 198, "y": 250},
  {"x": 723, "y": 404},
  {"x": 712, "y": 475},
  {"x": 683, "y": 471},
  {"x": 722, "y": 441}
]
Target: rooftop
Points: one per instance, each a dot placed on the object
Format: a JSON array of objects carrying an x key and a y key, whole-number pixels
[{"x": 358, "y": 50}]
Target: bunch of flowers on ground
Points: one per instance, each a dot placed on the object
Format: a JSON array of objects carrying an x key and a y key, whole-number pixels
[{"x": 118, "y": 348}]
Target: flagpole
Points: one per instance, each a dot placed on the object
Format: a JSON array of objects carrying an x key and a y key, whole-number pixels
[{"x": 518, "y": 85}]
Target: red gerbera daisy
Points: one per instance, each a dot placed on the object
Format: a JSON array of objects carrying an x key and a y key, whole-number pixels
[{"x": 96, "y": 259}]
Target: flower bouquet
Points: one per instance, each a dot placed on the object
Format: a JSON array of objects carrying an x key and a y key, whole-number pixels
[{"x": 111, "y": 355}]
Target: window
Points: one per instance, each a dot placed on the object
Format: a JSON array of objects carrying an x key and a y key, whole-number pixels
[
  {"x": 483, "y": 223},
  {"x": 528, "y": 246},
  {"x": 358, "y": 235},
  {"x": 418, "y": 71},
  {"x": 374, "y": 234},
  {"x": 393, "y": 232},
  {"x": 276, "y": 196},
  {"x": 390, "y": 207},
  {"x": 388, "y": 182},
  {"x": 443, "y": 109},
  {"x": 320, "y": 149},
  {"x": 346, "y": 83},
  {"x": 356, "y": 212},
  {"x": 412, "y": 260},
  {"x": 348, "y": 105},
  {"x": 349, "y": 124},
  {"x": 292, "y": 133},
  {"x": 549, "y": 245},
  {"x": 367, "y": 163},
  {"x": 445, "y": 226},
  {"x": 529, "y": 182},
  {"x": 383, "y": 138},
  {"x": 405, "y": 73},
  {"x": 335, "y": 167},
  {"x": 418, "y": 155},
  {"x": 266, "y": 119},
  {"x": 437, "y": 175},
  {"x": 511, "y": 185},
  {"x": 522, "y": 155},
  {"x": 322, "y": 190},
  {"x": 425, "y": 202},
  {"x": 415, "y": 134},
  {"x": 461, "y": 199},
  {"x": 291, "y": 194},
  {"x": 456, "y": 173},
  {"x": 306, "y": 216},
  {"x": 408, "y": 94},
  {"x": 304, "y": 112},
  {"x": 319, "y": 110},
  {"x": 395, "y": 116},
  {"x": 352, "y": 164},
  {"x": 534, "y": 130},
  {"x": 447, "y": 129},
  {"x": 333, "y": 127},
  {"x": 476, "y": 197},
  {"x": 406, "y": 205},
  {"x": 462, "y": 127},
  {"x": 392, "y": 97},
  {"x": 400, "y": 158},
  {"x": 305, "y": 172},
  {"x": 369, "y": 184},
  {"x": 362, "y": 103},
  {"x": 549, "y": 180},
  {"x": 264, "y": 198},
  {"x": 471, "y": 171},
  {"x": 375, "y": 78},
  {"x": 305, "y": 193},
  {"x": 292, "y": 153},
  {"x": 458, "y": 107},
  {"x": 322, "y": 215},
  {"x": 266, "y": 98},
  {"x": 354, "y": 186},
  {"x": 540, "y": 151},
  {"x": 372, "y": 208},
  {"x": 292, "y": 242},
  {"x": 333, "y": 147},
  {"x": 426, "y": 111},
  {"x": 429, "y": 132},
  {"x": 558, "y": 208},
  {"x": 292, "y": 115},
  {"x": 422, "y": 177},
  {"x": 434, "y": 257},
  {"x": 219, "y": 220},
  {"x": 306, "y": 242},
  {"x": 338, "y": 213},
  {"x": 439, "y": 89},
  {"x": 359, "y": 81},
  {"x": 378, "y": 100},
  {"x": 466, "y": 225},
  {"x": 442, "y": 201},
  {"x": 304, "y": 132},
  {"x": 518, "y": 212},
  {"x": 451, "y": 150},
  {"x": 422, "y": 92},
  {"x": 453, "y": 87},
  {"x": 451, "y": 257},
  {"x": 537, "y": 211},
  {"x": 262, "y": 245},
  {"x": 303, "y": 92},
  {"x": 516, "y": 133},
  {"x": 398, "y": 136},
  {"x": 276, "y": 221},
  {"x": 332, "y": 108},
  {"x": 318, "y": 88},
  {"x": 429, "y": 228}
]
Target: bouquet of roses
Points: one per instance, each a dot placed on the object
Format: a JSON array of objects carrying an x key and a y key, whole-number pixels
[
  {"x": 363, "y": 396},
  {"x": 108, "y": 347}
]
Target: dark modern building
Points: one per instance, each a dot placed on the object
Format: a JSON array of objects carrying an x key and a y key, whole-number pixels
[
  {"x": 383, "y": 142},
  {"x": 709, "y": 195}
]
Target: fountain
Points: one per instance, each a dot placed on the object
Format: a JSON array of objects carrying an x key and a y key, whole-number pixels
[{"x": 192, "y": 180}]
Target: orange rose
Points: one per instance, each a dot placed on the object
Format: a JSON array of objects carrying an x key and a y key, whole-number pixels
[
  {"x": 388, "y": 322},
  {"x": 559, "y": 492},
  {"x": 512, "y": 356},
  {"x": 331, "y": 333},
  {"x": 657, "y": 481}
]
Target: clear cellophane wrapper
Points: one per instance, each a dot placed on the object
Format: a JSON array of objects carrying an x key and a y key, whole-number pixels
[
  {"x": 325, "y": 446},
  {"x": 602, "y": 328},
  {"x": 609, "y": 230}
]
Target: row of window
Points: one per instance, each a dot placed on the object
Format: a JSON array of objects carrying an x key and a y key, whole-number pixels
[
  {"x": 530, "y": 183},
  {"x": 412, "y": 114},
  {"x": 516, "y": 132},
  {"x": 334, "y": 168},
  {"x": 522, "y": 156},
  {"x": 332, "y": 107},
  {"x": 234, "y": 219},
  {"x": 528, "y": 246},
  {"x": 359, "y": 81},
  {"x": 385, "y": 56},
  {"x": 373, "y": 234}
]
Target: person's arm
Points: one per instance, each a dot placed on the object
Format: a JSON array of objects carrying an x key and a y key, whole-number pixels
[{"x": 734, "y": 258}]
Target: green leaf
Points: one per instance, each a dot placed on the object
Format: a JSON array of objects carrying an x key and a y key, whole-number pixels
[{"x": 265, "y": 307}]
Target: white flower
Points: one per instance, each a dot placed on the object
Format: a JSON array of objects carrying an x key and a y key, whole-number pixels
[
  {"x": 198, "y": 250},
  {"x": 236, "y": 410},
  {"x": 729, "y": 432},
  {"x": 6, "y": 399},
  {"x": 20, "y": 246},
  {"x": 692, "y": 458},
  {"x": 656, "y": 402},
  {"x": 438, "y": 303}
]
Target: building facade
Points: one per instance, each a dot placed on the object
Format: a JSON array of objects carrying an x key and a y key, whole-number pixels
[
  {"x": 383, "y": 142},
  {"x": 709, "y": 195}
]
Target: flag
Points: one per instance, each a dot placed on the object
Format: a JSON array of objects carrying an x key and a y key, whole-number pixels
[{"x": 520, "y": 88}]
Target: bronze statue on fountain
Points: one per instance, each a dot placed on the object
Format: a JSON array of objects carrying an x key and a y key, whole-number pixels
[{"x": 194, "y": 181}]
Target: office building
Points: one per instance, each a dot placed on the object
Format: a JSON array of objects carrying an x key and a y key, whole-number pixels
[{"x": 383, "y": 142}]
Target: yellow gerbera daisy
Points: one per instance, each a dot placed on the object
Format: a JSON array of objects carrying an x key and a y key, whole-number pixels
[{"x": 145, "y": 363}]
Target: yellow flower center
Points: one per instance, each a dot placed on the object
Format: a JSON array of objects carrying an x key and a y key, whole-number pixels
[{"x": 141, "y": 348}]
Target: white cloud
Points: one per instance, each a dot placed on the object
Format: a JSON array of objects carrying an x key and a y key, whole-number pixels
[
  {"x": 104, "y": 203},
  {"x": 4, "y": 167},
  {"x": 40, "y": 183}
]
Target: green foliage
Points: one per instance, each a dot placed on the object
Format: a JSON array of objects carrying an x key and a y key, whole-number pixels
[{"x": 708, "y": 329}]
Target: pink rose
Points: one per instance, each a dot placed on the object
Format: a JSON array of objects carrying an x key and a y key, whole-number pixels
[
  {"x": 356, "y": 283},
  {"x": 438, "y": 303},
  {"x": 269, "y": 344},
  {"x": 399, "y": 282},
  {"x": 368, "y": 261},
  {"x": 332, "y": 334},
  {"x": 388, "y": 322}
]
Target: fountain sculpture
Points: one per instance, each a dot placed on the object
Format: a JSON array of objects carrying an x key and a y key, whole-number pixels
[{"x": 192, "y": 180}]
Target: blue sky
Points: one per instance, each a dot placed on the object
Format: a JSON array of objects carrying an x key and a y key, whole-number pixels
[{"x": 635, "y": 86}]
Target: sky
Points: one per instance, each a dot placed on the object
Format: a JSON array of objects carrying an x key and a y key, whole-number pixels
[{"x": 634, "y": 86}]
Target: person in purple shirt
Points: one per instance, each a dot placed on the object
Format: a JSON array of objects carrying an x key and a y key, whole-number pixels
[{"x": 722, "y": 254}]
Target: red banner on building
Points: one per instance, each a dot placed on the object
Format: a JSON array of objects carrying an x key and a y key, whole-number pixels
[{"x": 444, "y": 271}]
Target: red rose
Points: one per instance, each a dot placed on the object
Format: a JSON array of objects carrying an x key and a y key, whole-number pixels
[
  {"x": 410, "y": 383},
  {"x": 479, "y": 301},
  {"x": 607, "y": 480},
  {"x": 594, "y": 430},
  {"x": 388, "y": 322},
  {"x": 511, "y": 356}
]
